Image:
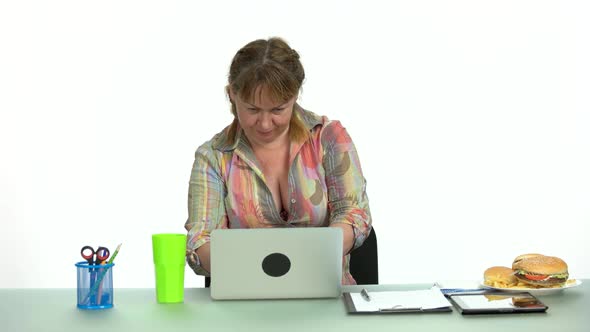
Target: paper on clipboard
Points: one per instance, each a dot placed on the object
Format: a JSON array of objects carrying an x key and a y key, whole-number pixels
[{"x": 400, "y": 301}]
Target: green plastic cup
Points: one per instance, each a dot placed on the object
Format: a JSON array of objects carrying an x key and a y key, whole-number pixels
[{"x": 169, "y": 259}]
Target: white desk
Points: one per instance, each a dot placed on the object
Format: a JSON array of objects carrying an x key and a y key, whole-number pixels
[{"x": 137, "y": 310}]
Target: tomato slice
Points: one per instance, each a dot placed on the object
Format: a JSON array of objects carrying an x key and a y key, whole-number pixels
[{"x": 535, "y": 277}]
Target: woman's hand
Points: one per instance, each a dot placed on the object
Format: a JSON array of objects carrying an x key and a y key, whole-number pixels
[{"x": 204, "y": 257}]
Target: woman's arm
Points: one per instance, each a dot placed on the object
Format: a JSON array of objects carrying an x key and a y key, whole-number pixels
[
  {"x": 204, "y": 256},
  {"x": 206, "y": 208},
  {"x": 347, "y": 199}
]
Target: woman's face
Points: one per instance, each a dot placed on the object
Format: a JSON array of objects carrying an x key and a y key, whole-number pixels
[{"x": 264, "y": 121}]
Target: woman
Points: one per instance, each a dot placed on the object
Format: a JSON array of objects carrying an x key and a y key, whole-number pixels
[{"x": 276, "y": 164}]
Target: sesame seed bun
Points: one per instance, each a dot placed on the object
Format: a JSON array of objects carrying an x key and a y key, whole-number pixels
[
  {"x": 543, "y": 265},
  {"x": 521, "y": 257}
]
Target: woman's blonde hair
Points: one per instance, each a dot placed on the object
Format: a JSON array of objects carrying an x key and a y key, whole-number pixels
[{"x": 271, "y": 64}]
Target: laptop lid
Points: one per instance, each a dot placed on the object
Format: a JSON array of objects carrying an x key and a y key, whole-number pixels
[{"x": 270, "y": 263}]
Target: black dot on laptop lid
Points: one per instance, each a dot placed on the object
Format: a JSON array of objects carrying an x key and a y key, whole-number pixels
[{"x": 276, "y": 264}]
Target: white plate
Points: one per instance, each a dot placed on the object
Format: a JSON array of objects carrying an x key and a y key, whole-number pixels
[{"x": 536, "y": 291}]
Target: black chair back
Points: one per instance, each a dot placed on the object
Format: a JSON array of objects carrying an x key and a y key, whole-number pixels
[{"x": 364, "y": 265}]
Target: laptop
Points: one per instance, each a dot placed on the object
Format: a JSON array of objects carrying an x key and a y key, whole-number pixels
[{"x": 276, "y": 263}]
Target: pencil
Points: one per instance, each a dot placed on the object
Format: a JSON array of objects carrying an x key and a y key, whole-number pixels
[
  {"x": 96, "y": 285},
  {"x": 115, "y": 253}
]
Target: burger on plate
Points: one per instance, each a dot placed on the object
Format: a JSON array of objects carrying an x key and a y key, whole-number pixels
[{"x": 544, "y": 271}]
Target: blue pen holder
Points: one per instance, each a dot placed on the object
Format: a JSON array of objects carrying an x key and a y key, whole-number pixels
[{"x": 95, "y": 286}]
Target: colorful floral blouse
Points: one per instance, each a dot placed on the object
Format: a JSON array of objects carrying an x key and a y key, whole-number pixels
[{"x": 228, "y": 190}]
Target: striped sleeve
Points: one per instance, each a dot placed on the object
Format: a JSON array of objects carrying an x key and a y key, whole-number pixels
[
  {"x": 347, "y": 199},
  {"x": 206, "y": 209}
]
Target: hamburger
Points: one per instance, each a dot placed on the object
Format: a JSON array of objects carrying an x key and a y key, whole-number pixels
[
  {"x": 544, "y": 271},
  {"x": 499, "y": 276}
]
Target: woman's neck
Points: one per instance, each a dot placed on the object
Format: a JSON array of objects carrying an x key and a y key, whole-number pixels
[{"x": 278, "y": 144}]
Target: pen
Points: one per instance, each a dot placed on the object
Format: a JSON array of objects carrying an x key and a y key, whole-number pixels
[
  {"x": 399, "y": 308},
  {"x": 464, "y": 291},
  {"x": 365, "y": 295}
]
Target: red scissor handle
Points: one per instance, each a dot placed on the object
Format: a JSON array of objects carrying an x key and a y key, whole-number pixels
[
  {"x": 102, "y": 253},
  {"x": 88, "y": 254}
]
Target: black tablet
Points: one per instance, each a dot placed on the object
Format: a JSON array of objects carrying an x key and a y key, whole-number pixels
[{"x": 497, "y": 303}]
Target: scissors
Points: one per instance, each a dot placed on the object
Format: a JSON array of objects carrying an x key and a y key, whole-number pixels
[{"x": 95, "y": 257}]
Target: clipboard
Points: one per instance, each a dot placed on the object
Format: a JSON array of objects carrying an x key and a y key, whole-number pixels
[{"x": 391, "y": 302}]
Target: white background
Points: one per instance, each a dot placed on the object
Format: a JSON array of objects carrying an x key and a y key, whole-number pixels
[{"x": 472, "y": 121}]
